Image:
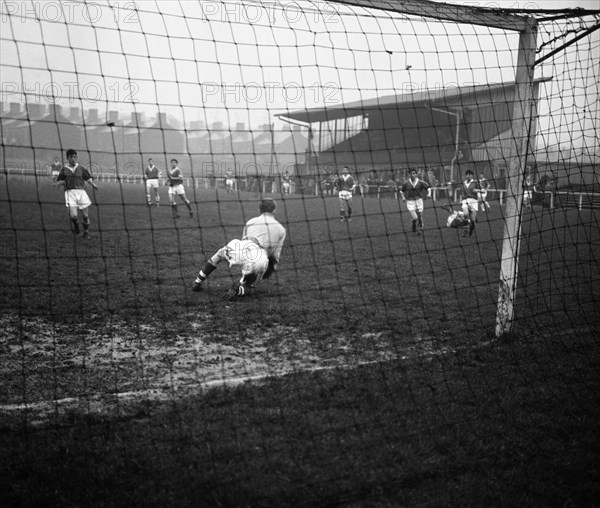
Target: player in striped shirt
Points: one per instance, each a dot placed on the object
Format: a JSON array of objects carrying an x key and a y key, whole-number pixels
[
  {"x": 73, "y": 178},
  {"x": 413, "y": 191},
  {"x": 230, "y": 181},
  {"x": 151, "y": 175},
  {"x": 345, "y": 187}
]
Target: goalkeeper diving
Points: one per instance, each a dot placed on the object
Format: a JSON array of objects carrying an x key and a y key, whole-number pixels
[{"x": 257, "y": 253}]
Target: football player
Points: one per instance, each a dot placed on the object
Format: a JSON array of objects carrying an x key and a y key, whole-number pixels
[
  {"x": 175, "y": 182},
  {"x": 345, "y": 186},
  {"x": 73, "y": 178},
  {"x": 257, "y": 253},
  {"x": 412, "y": 192},
  {"x": 470, "y": 201}
]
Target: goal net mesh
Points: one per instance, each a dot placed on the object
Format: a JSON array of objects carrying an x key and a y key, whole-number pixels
[{"x": 273, "y": 100}]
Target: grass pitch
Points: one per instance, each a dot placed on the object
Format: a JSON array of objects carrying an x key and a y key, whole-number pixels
[{"x": 364, "y": 372}]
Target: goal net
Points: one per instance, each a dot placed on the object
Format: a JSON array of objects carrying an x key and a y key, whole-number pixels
[{"x": 187, "y": 115}]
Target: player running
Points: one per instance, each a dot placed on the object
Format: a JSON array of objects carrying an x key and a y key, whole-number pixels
[
  {"x": 257, "y": 253},
  {"x": 412, "y": 192},
  {"x": 470, "y": 202},
  {"x": 175, "y": 183},
  {"x": 484, "y": 186}
]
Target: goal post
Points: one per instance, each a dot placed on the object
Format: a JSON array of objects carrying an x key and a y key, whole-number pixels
[
  {"x": 521, "y": 147},
  {"x": 522, "y": 128}
]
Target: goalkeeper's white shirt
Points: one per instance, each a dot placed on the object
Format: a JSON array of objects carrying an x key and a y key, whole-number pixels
[{"x": 267, "y": 232}]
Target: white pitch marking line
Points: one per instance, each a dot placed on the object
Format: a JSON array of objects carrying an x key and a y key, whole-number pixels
[{"x": 160, "y": 394}]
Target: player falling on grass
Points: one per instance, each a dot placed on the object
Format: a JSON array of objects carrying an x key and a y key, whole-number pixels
[
  {"x": 73, "y": 178},
  {"x": 345, "y": 186},
  {"x": 257, "y": 253},
  {"x": 151, "y": 175},
  {"x": 413, "y": 191},
  {"x": 175, "y": 183},
  {"x": 470, "y": 202}
]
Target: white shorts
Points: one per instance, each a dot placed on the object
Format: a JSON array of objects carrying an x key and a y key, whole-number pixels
[
  {"x": 528, "y": 195},
  {"x": 414, "y": 205},
  {"x": 152, "y": 183},
  {"x": 229, "y": 182},
  {"x": 483, "y": 195},
  {"x": 469, "y": 204},
  {"x": 176, "y": 190},
  {"x": 247, "y": 254},
  {"x": 78, "y": 198},
  {"x": 345, "y": 195}
]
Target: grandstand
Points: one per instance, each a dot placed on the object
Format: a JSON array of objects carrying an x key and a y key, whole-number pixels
[
  {"x": 437, "y": 128},
  {"x": 377, "y": 366}
]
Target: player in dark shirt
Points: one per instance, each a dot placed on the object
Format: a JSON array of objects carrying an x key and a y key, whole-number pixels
[
  {"x": 74, "y": 178},
  {"x": 176, "y": 188},
  {"x": 413, "y": 191}
]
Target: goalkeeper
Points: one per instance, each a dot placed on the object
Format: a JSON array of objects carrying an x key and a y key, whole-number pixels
[{"x": 257, "y": 253}]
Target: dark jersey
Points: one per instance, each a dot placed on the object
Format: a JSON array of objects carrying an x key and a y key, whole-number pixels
[
  {"x": 74, "y": 178},
  {"x": 414, "y": 191},
  {"x": 469, "y": 189},
  {"x": 175, "y": 177},
  {"x": 152, "y": 173}
]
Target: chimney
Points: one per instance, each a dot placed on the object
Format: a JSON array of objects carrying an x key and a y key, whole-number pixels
[
  {"x": 15, "y": 109},
  {"x": 55, "y": 110},
  {"x": 136, "y": 119},
  {"x": 75, "y": 116},
  {"x": 217, "y": 126},
  {"x": 161, "y": 119},
  {"x": 93, "y": 117},
  {"x": 35, "y": 111},
  {"x": 240, "y": 126},
  {"x": 113, "y": 116}
]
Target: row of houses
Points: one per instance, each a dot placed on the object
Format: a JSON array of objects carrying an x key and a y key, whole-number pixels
[{"x": 37, "y": 132}]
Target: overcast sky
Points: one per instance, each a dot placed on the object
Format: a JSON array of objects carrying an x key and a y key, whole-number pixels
[{"x": 245, "y": 62}]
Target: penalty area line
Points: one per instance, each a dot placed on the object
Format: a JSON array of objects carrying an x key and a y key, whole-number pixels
[
  {"x": 158, "y": 394},
  {"x": 175, "y": 392}
]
